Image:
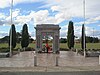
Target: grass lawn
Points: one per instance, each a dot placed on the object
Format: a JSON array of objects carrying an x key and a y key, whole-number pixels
[
  {"x": 78, "y": 45},
  {"x": 62, "y": 45}
]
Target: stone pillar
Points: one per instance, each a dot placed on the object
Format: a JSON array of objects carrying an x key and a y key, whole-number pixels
[
  {"x": 38, "y": 36},
  {"x": 56, "y": 43},
  {"x": 40, "y": 42},
  {"x": 58, "y": 40},
  {"x": 37, "y": 43},
  {"x": 56, "y": 36}
]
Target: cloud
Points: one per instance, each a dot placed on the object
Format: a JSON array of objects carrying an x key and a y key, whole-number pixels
[
  {"x": 97, "y": 18},
  {"x": 7, "y": 3},
  {"x": 77, "y": 30},
  {"x": 39, "y": 17},
  {"x": 2, "y": 34},
  {"x": 65, "y": 10},
  {"x": 90, "y": 20},
  {"x": 63, "y": 31},
  {"x": 75, "y": 8},
  {"x": 55, "y": 8},
  {"x": 72, "y": 8},
  {"x": 2, "y": 16},
  {"x": 1, "y": 22},
  {"x": 4, "y": 3}
]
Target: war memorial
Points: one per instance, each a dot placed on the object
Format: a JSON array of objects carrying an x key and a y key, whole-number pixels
[
  {"x": 45, "y": 30},
  {"x": 47, "y": 57},
  {"x": 32, "y": 62}
]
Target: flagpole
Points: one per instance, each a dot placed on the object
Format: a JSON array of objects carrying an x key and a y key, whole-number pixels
[
  {"x": 84, "y": 27},
  {"x": 11, "y": 29}
]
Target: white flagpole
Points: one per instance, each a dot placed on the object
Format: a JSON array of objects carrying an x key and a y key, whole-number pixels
[
  {"x": 11, "y": 29},
  {"x": 84, "y": 27}
]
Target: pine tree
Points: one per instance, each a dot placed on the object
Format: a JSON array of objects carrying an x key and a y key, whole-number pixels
[
  {"x": 70, "y": 35},
  {"x": 25, "y": 37},
  {"x": 13, "y": 36},
  {"x": 82, "y": 38}
]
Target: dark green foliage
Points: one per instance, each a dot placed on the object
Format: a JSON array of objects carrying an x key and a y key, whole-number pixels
[
  {"x": 91, "y": 39},
  {"x": 82, "y": 38},
  {"x": 31, "y": 40},
  {"x": 63, "y": 40},
  {"x": 4, "y": 39},
  {"x": 70, "y": 35},
  {"x": 18, "y": 36},
  {"x": 95, "y": 40},
  {"x": 25, "y": 36},
  {"x": 13, "y": 31}
]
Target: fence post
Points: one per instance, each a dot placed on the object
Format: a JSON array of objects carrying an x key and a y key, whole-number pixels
[
  {"x": 76, "y": 51},
  {"x": 56, "y": 60},
  {"x": 18, "y": 51},
  {"x": 35, "y": 60}
]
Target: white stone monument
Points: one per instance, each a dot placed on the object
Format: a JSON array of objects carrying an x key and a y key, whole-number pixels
[{"x": 47, "y": 29}]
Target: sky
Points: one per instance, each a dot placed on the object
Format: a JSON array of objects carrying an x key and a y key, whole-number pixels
[{"x": 33, "y": 12}]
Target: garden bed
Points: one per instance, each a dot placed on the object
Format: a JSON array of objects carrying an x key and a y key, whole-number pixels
[
  {"x": 4, "y": 55},
  {"x": 90, "y": 52},
  {"x": 5, "y": 52}
]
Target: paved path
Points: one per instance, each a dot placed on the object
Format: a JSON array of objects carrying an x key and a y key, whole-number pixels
[
  {"x": 50, "y": 69},
  {"x": 68, "y": 61},
  {"x": 68, "y": 58},
  {"x": 52, "y": 73}
]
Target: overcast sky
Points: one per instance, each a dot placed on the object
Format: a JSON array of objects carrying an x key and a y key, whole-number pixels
[{"x": 60, "y": 12}]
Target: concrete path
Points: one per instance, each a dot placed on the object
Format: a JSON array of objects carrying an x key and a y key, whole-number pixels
[
  {"x": 67, "y": 61},
  {"x": 52, "y": 73}
]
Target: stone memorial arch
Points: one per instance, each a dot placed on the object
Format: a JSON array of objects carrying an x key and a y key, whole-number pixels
[{"x": 47, "y": 29}]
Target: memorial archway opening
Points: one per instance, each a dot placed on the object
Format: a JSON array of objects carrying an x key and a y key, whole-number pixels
[{"x": 47, "y": 40}]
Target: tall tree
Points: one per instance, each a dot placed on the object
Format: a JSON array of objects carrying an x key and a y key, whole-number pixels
[
  {"x": 18, "y": 36},
  {"x": 82, "y": 38},
  {"x": 12, "y": 34},
  {"x": 25, "y": 36},
  {"x": 70, "y": 35}
]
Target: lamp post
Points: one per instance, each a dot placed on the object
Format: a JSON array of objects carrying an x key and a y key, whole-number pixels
[
  {"x": 11, "y": 29},
  {"x": 84, "y": 27}
]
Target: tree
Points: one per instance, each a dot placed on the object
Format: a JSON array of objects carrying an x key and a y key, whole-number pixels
[
  {"x": 4, "y": 39},
  {"x": 31, "y": 40},
  {"x": 91, "y": 39},
  {"x": 70, "y": 35},
  {"x": 18, "y": 36},
  {"x": 95, "y": 40},
  {"x": 12, "y": 34},
  {"x": 63, "y": 40},
  {"x": 82, "y": 38},
  {"x": 25, "y": 36}
]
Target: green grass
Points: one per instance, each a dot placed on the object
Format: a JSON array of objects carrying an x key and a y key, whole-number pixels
[
  {"x": 62, "y": 45},
  {"x": 2, "y": 45},
  {"x": 78, "y": 45}
]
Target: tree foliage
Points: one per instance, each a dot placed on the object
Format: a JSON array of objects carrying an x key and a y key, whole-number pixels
[
  {"x": 70, "y": 35},
  {"x": 18, "y": 36},
  {"x": 5, "y": 39},
  {"x": 63, "y": 40},
  {"x": 25, "y": 36},
  {"x": 91, "y": 39},
  {"x": 12, "y": 35},
  {"x": 82, "y": 38}
]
